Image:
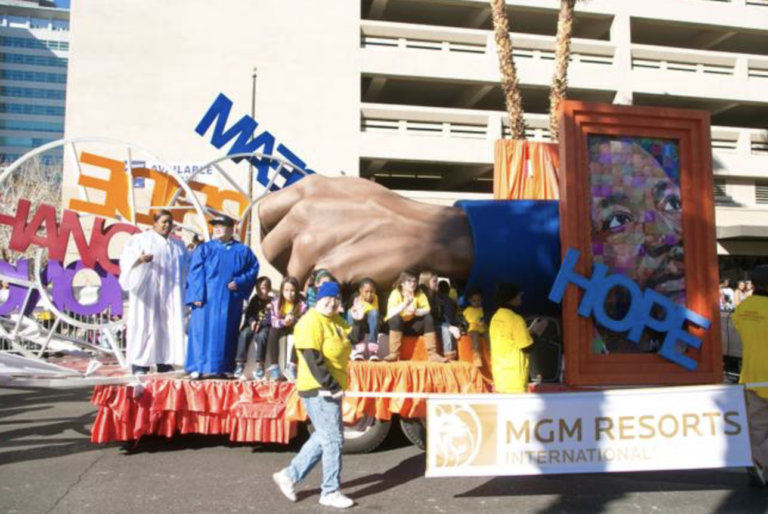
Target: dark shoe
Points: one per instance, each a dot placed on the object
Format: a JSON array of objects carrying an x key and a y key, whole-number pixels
[
  {"x": 139, "y": 370},
  {"x": 165, "y": 368}
]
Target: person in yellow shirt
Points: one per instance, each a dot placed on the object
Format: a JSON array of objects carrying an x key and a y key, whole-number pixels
[
  {"x": 364, "y": 318},
  {"x": 408, "y": 312},
  {"x": 324, "y": 348},
  {"x": 751, "y": 320},
  {"x": 511, "y": 341},
  {"x": 284, "y": 311},
  {"x": 475, "y": 317}
]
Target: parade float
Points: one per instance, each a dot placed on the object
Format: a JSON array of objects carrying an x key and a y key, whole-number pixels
[
  {"x": 115, "y": 197},
  {"x": 609, "y": 232}
]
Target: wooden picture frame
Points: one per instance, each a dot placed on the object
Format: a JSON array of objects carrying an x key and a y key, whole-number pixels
[{"x": 587, "y": 132}]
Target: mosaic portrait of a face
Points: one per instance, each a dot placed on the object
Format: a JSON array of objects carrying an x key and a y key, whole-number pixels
[{"x": 636, "y": 212}]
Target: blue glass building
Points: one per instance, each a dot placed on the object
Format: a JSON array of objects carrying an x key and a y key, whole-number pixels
[{"x": 34, "y": 44}]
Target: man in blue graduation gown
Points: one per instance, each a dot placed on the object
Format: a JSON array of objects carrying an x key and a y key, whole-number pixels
[{"x": 220, "y": 279}]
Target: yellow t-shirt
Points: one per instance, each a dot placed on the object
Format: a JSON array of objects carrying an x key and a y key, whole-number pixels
[
  {"x": 287, "y": 308},
  {"x": 368, "y": 307},
  {"x": 328, "y": 335},
  {"x": 474, "y": 316},
  {"x": 509, "y": 364},
  {"x": 396, "y": 298},
  {"x": 751, "y": 320}
]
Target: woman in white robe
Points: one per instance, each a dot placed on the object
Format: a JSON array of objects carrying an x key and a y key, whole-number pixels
[{"x": 153, "y": 272}]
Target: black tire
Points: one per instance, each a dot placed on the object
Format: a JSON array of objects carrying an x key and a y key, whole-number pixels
[
  {"x": 366, "y": 435},
  {"x": 415, "y": 430}
]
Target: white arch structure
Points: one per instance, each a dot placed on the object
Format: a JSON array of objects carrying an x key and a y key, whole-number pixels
[{"x": 18, "y": 329}]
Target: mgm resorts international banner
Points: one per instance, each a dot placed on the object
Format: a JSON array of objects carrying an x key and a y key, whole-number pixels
[{"x": 588, "y": 432}]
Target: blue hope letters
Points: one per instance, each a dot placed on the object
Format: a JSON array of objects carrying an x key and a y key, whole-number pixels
[{"x": 596, "y": 289}]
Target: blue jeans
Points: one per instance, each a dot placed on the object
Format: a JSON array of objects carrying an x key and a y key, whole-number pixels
[
  {"x": 369, "y": 326},
  {"x": 447, "y": 339},
  {"x": 325, "y": 442}
]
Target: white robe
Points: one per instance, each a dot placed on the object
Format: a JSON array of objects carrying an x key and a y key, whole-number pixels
[{"x": 155, "y": 324}]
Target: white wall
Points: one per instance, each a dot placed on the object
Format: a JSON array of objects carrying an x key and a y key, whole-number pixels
[{"x": 146, "y": 72}]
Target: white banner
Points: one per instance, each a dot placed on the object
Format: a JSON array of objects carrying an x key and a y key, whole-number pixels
[
  {"x": 591, "y": 432},
  {"x": 185, "y": 169}
]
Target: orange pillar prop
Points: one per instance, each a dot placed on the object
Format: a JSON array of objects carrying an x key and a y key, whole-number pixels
[{"x": 524, "y": 170}]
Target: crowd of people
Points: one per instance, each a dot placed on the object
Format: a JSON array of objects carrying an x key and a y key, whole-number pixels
[
  {"x": 731, "y": 298},
  {"x": 216, "y": 280},
  {"x": 186, "y": 309},
  {"x": 423, "y": 306}
]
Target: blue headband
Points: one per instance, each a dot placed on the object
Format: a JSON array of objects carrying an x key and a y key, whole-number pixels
[{"x": 331, "y": 289}]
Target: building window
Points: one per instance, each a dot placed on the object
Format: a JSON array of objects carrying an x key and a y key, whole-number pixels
[
  {"x": 28, "y": 42},
  {"x": 42, "y": 110},
  {"x": 18, "y": 21},
  {"x": 23, "y": 142},
  {"x": 7, "y": 158},
  {"x": 53, "y": 159},
  {"x": 60, "y": 25},
  {"x": 721, "y": 193},
  {"x": 33, "y": 76},
  {"x": 29, "y": 92},
  {"x": 39, "y": 23},
  {"x": 35, "y": 60},
  {"x": 32, "y": 126},
  {"x": 761, "y": 193}
]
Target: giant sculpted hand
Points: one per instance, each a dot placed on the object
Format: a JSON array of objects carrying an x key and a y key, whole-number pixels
[{"x": 356, "y": 228}]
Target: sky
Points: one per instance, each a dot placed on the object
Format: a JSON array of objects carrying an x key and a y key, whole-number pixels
[{"x": 64, "y": 4}]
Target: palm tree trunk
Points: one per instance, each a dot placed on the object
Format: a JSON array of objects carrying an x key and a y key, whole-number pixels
[
  {"x": 508, "y": 70},
  {"x": 557, "y": 92}
]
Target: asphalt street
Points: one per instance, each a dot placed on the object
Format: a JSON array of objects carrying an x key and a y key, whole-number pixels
[{"x": 49, "y": 465}]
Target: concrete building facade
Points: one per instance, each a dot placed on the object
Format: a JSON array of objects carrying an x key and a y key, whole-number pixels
[{"x": 406, "y": 92}]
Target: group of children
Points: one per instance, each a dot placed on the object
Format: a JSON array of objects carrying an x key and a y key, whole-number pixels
[{"x": 425, "y": 307}]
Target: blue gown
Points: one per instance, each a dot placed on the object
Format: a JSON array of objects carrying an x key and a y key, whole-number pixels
[{"x": 214, "y": 327}]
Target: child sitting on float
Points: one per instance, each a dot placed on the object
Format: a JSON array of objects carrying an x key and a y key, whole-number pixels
[
  {"x": 408, "y": 312},
  {"x": 448, "y": 322},
  {"x": 256, "y": 326},
  {"x": 441, "y": 312},
  {"x": 284, "y": 312},
  {"x": 477, "y": 330},
  {"x": 363, "y": 317}
]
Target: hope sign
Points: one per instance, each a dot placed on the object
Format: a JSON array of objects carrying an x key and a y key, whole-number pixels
[{"x": 638, "y": 318}]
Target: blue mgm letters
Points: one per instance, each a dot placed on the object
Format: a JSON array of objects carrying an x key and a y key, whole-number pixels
[
  {"x": 638, "y": 318},
  {"x": 246, "y": 142}
]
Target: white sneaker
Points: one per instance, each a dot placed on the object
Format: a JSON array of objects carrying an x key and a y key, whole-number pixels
[
  {"x": 336, "y": 500},
  {"x": 285, "y": 484}
]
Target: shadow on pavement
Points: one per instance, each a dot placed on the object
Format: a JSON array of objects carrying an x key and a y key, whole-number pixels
[
  {"x": 158, "y": 444},
  {"x": 622, "y": 483},
  {"x": 24, "y": 425},
  {"x": 588, "y": 493},
  {"x": 744, "y": 501},
  {"x": 407, "y": 470}
]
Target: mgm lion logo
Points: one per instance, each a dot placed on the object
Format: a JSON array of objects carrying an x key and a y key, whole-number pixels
[{"x": 459, "y": 435}]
